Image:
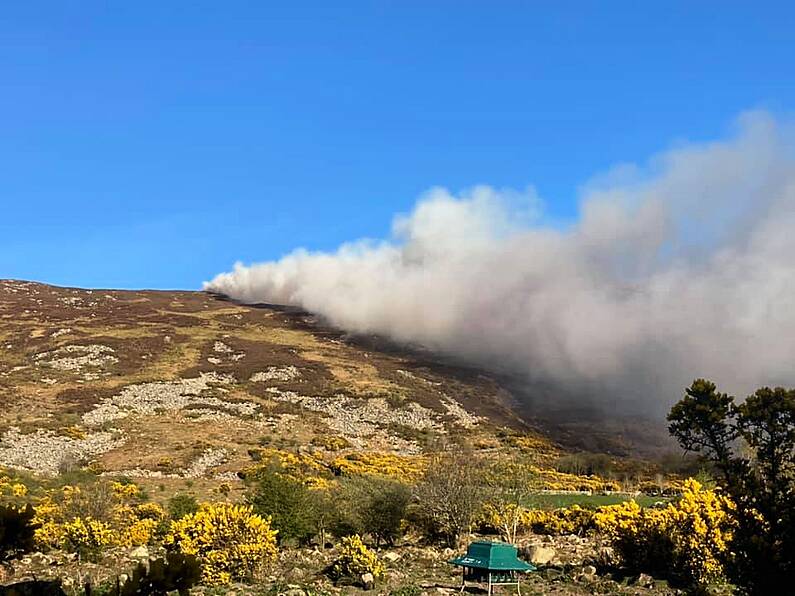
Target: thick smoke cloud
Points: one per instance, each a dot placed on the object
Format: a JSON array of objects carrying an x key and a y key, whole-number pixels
[{"x": 682, "y": 268}]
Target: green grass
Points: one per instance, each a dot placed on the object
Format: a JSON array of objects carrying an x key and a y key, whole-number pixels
[{"x": 547, "y": 501}]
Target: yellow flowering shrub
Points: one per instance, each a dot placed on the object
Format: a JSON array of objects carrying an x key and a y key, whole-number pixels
[
  {"x": 12, "y": 490},
  {"x": 403, "y": 468},
  {"x": 138, "y": 533},
  {"x": 331, "y": 442},
  {"x": 125, "y": 491},
  {"x": 306, "y": 468},
  {"x": 613, "y": 520},
  {"x": 99, "y": 515},
  {"x": 554, "y": 480},
  {"x": 150, "y": 511},
  {"x": 557, "y": 522},
  {"x": 86, "y": 535},
  {"x": 541, "y": 478},
  {"x": 534, "y": 445},
  {"x": 354, "y": 560},
  {"x": 231, "y": 542},
  {"x": 686, "y": 541},
  {"x": 49, "y": 533}
]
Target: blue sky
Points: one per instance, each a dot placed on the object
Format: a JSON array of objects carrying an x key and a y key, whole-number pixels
[{"x": 152, "y": 144}]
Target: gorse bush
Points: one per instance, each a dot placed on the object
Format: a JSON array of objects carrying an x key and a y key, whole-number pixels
[
  {"x": 12, "y": 492},
  {"x": 557, "y": 522},
  {"x": 403, "y": 468},
  {"x": 230, "y": 541},
  {"x": 86, "y": 536},
  {"x": 88, "y": 519},
  {"x": 687, "y": 541},
  {"x": 354, "y": 560}
]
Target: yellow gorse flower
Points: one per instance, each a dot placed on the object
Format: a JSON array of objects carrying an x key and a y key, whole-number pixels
[
  {"x": 230, "y": 541},
  {"x": 355, "y": 560}
]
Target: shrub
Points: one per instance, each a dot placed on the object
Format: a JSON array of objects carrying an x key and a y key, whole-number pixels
[
  {"x": 231, "y": 542},
  {"x": 355, "y": 560},
  {"x": 139, "y": 532},
  {"x": 11, "y": 490},
  {"x": 558, "y": 522},
  {"x": 687, "y": 541},
  {"x": 150, "y": 511},
  {"x": 17, "y": 528},
  {"x": 181, "y": 505},
  {"x": 89, "y": 518},
  {"x": 291, "y": 506},
  {"x": 86, "y": 536},
  {"x": 371, "y": 505},
  {"x": 449, "y": 497},
  {"x": 402, "y": 468}
]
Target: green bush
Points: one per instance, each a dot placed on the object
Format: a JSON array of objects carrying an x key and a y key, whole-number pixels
[
  {"x": 181, "y": 505},
  {"x": 292, "y": 507},
  {"x": 371, "y": 505}
]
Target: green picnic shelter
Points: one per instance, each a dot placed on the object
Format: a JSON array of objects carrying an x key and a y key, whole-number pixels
[{"x": 491, "y": 563}]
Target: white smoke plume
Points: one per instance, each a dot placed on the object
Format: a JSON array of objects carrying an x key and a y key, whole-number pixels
[{"x": 682, "y": 268}]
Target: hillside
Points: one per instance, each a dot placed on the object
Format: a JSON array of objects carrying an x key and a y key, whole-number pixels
[
  {"x": 117, "y": 405},
  {"x": 174, "y": 385}
]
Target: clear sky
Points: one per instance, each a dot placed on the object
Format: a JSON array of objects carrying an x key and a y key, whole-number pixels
[{"x": 152, "y": 144}]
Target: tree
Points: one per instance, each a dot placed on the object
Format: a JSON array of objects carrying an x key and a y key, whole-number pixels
[
  {"x": 761, "y": 482},
  {"x": 513, "y": 484},
  {"x": 372, "y": 505},
  {"x": 700, "y": 421},
  {"x": 449, "y": 496}
]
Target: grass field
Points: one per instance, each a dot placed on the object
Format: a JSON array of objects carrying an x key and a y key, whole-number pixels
[{"x": 550, "y": 501}]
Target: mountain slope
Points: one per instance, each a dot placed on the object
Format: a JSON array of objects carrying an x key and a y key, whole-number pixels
[{"x": 176, "y": 385}]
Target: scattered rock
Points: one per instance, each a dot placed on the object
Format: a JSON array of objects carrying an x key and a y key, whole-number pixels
[
  {"x": 167, "y": 396},
  {"x": 140, "y": 552},
  {"x": 540, "y": 555},
  {"x": 606, "y": 556},
  {"x": 207, "y": 460},
  {"x": 585, "y": 574},
  {"x": 644, "y": 581},
  {"x": 46, "y": 452},
  {"x": 391, "y": 556},
  {"x": 368, "y": 581},
  {"x": 77, "y": 357},
  {"x": 275, "y": 373}
]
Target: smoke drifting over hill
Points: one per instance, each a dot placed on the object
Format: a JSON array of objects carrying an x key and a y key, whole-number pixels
[{"x": 682, "y": 268}]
